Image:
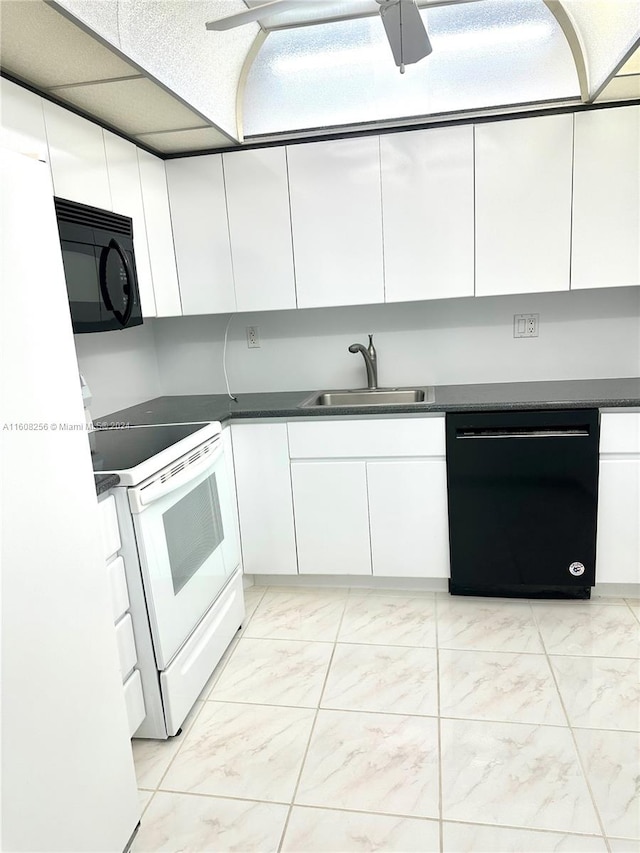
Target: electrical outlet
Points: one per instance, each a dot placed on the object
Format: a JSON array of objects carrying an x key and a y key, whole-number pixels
[
  {"x": 253, "y": 337},
  {"x": 526, "y": 325}
]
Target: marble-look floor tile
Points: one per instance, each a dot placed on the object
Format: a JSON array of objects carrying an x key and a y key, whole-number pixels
[
  {"x": 253, "y": 595},
  {"x": 389, "y": 620},
  {"x": 471, "y": 838},
  {"x": 612, "y": 763},
  {"x": 152, "y": 757},
  {"x": 297, "y": 615},
  {"x": 498, "y": 686},
  {"x": 600, "y": 692},
  {"x": 275, "y": 672},
  {"x": 389, "y": 679},
  {"x": 251, "y": 751},
  {"x": 635, "y": 609},
  {"x": 514, "y": 774},
  {"x": 144, "y": 798},
  {"x": 487, "y": 625},
  {"x": 323, "y": 830},
  {"x": 372, "y": 762},
  {"x": 623, "y": 845},
  {"x": 583, "y": 628},
  {"x": 183, "y": 822}
]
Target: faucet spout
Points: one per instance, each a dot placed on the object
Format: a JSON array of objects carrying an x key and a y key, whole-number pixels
[{"x": 370, "y": 362}]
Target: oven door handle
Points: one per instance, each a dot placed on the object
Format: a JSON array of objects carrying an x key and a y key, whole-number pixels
[{"x": 142, "y": 497}]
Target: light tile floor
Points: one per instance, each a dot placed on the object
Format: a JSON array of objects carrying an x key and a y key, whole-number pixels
[{"x": 347, "y": 721}]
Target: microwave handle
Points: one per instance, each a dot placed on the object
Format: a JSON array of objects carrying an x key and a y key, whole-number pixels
[
  {"x": 124, "y": 318},
  {"x": 140, "y": 498}
]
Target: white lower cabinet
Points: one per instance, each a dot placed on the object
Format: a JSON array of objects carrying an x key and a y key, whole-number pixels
[
  {"x": 618, "y": 534},
  {"x": 123, "y": 624},
  {"x": 408, "y": 517},
  {"x": 265, "y": 508},
  {"x": 331, "y": 517}
]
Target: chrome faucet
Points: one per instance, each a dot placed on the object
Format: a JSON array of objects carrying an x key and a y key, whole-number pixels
[{"x": 370, "y": 361}]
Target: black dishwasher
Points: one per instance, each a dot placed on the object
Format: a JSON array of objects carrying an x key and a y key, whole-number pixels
[{"x": 523, "y": 497}]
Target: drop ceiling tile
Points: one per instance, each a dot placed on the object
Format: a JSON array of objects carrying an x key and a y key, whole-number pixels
[
  {"x": 198, "y": 139},
  {"x": 134, "y": 106},
  {"x": 41, "y": 46},
  {"x": 621, "y": 89}
]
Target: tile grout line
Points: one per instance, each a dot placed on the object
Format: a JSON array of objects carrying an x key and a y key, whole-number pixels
[
  {"x": 573, "y": 738},
  {"x": 312, "y": 729}
]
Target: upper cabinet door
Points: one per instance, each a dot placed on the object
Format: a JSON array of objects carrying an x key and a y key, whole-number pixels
[
  {"x": 260, "y": 228},
  {"x": 126, "y": 195},
  {"x": 201, "y": 234},
  {"x": 523, "y": 205},
  {"x": 155, "y": 198},
  {"x": 336, "y": 216},
  {"x": 606, "y": 199},
  {"x": 427, "y": 203},
  {"x": 22, "y": 127},
  {"x": 78, "y": 160}
]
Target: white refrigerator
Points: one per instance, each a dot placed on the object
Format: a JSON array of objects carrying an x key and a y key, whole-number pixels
[{"x": 67, "y": 772}]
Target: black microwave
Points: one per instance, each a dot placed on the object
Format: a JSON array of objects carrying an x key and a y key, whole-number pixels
[{"x": 99, "y": 267}]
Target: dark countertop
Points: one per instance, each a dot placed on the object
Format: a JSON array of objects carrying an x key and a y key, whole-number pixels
[
  {"x": 104, "y": 482},
  {"x": 200, "y": 408}
]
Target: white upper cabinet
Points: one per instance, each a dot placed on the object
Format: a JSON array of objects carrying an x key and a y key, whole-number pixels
[
  {"x": 523, "y": 205},
  {"x": 155, "y": 198},
  {"x": 126, "y": 197},
  {"x": 336, "y": 216},
  {"x": 22, "y": 128},
  {"x": 427, "y": 203},
  {"x": 606, "y": 199},
  {"x": 78, "y": 159},
  {"x": 260, "y": 229},
  {"x": 201, "y": 234}
]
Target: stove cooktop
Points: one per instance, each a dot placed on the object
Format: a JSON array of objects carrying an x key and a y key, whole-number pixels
[{"x": 138, "y": 452}]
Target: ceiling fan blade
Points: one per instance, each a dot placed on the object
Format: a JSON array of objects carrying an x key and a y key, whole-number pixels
[
  {"x": 254, "y": 14},
  {"x": 405, "y": 30}
]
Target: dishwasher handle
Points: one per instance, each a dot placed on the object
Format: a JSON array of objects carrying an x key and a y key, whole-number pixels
[{"x": 573, "y": 431}]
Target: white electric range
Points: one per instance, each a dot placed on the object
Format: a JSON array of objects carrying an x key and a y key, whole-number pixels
[{"x": 181, "y": 550}]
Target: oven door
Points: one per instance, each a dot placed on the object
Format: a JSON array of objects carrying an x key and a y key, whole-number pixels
[{"x": 187, "y": 544}]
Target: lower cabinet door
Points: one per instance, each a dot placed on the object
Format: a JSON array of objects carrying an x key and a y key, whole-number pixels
[
  {"x": 409, "y": 519},
  {"x": 618, "y": 533},
  {"x": 331, "y": 517}
]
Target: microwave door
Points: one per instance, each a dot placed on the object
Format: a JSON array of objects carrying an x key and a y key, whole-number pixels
[
  {"x": 81, "y": 262},
  {"x": 117, "y": 284}
]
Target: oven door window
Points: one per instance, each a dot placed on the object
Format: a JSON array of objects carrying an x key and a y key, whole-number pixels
[{"x": 193, "y": 531}]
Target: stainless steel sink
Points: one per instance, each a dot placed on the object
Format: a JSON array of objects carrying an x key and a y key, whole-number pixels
[{"x": 374, "y": 397}]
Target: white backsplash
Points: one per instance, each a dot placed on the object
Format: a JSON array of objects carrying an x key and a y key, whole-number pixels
[
  {"x": 583, "y": 335},
  {"x": 121, "y": 368}
]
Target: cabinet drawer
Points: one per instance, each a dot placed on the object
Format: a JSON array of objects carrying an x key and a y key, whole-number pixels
[
  {"x": 109, "y": 526},
  {"x": 126, "y": 645},
  {"x": 134, "y": 700},
  {"x": 344, "y": 439},
  {"x": 620, "y": 433},
  {"x": 118, "y": 586}
]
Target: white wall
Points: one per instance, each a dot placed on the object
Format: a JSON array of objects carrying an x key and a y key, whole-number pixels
[
  {"x": 120, "y": 368},
  {"x": 583, "y": 335}
]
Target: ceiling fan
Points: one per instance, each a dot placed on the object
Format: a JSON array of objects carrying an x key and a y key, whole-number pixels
[{"x": 401, "y": 19}]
